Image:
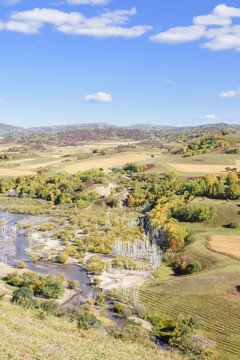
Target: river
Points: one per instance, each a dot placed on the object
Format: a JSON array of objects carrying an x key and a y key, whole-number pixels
[{"x": 12, "y": 250}]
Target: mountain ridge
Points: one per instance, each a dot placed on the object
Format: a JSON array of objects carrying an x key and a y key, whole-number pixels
[{"x": 7, "y": 130}]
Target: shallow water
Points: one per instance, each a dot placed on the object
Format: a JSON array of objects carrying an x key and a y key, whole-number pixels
[{"x": 12, "y": 251}]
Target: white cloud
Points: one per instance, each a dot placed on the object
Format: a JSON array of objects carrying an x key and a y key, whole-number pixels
[
  {"x": 2, "y": 100},
  {"x": 9, "y": 2},
  {"x": 107, "y": 24},
  {"x": 180, "y": 35},
  {"x": 208, "y": 117},
  {"x": 217, "y": 28},
  {"x": 87, "y": 2},
  {"x": 169, "y": 82},
  {"x": 99, "y": 97},
  {"x": 231, "y": 94}
]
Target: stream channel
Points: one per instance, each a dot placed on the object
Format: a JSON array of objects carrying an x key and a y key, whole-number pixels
[{"x": 12, "y": 250}]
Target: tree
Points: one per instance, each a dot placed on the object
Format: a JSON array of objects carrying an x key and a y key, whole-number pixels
[{"x": 53, "y": 288}]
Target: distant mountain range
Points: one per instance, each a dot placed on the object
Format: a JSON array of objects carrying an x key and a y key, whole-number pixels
[{"x": 10, "y": 130}]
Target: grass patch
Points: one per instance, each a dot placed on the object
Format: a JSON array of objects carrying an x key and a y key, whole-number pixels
[{"x": 24, "y": 336}]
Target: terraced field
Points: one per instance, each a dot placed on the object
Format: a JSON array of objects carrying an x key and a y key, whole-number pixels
[{"x": 221, "y": 318}]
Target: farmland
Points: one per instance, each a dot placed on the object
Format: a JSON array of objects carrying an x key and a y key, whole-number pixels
[
  {"x": 229, "y": 245},
  {"x": 106, "y": 164},
  {"x": 195, "y": 207},
  {"x": 212, "y": 294}
]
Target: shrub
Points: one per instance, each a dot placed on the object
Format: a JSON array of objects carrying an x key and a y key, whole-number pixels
[
  {"x": 14, "y": 279},
  {"x": 24, "y": 297},
  {"x": 95, "y": 265},
  {"x": 119, "y": 307},
  {"x": 140, "y": 310},
  {"x": 97, "y": 281},
  {"x": 47, "y": 227},
  {"x": 63, "y": 257},
  {"x": 185, "y": 265},
  {"x": 35, "y": 258},
  {"x": 193, "y": 267},
  {"x": 53, "y": 289},
  {"x": 175, "y": 244},
  {"x": 21, "y": 265},
  {"x": 233, "y": 225},
  {"x": 86, "y": 320},
  {"x": 115, "y": 202},
  {"x": 72, "y": 284},
  {"x": 126, "y": 262},
  {"x": 70, "y": 312},
  {"x": 51, "y": 307},
  {"x": 133, "y": 333},
  {"x": 202, "y": 346},
  {"x": 133, "y": 168}
]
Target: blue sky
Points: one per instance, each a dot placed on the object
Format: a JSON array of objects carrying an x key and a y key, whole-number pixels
[{"x": 123, "y": 62}]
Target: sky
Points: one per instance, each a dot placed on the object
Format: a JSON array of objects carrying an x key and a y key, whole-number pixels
[{"x": 165, "y": 62}]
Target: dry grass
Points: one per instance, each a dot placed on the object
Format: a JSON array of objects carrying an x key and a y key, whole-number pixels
[
  {"x": 228, "y": 245},
  {"x": 203, "y": 168},
  {"x": 15, "y": 172},
  {"x": 43, "y": 164},
  {"x": 21, "y": 160},
  {"x": 25, "y": 337},
  {"x": 105, "y": 164}
]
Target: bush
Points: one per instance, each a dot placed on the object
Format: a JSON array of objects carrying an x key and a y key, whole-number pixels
[
  {"x": 193, "y": 267},
  {"x": 133, "y": 168},
  {"x": 140, "y": 310},
  {"x": 86, "y": 320},
  {"x": 95, "y": 265},
  {"x": 97, "y": 281},
  {"x": 35, "y": 258},
  {"x": 70, "y": 312},
  {"x": 53, "y": 289},
  {"x": 15, "y": 279},
  {"x": 185, "y": 265},
  {"x": 51, "y": 307},
  {"x": 119, "y": 307},
  {"x": 133, "y": 333},
  {"x": 72, "y": 284},
  {"x": 233, "y": 225},
  {"x": 126, "y": 262},
  {"x": 63, "y": 257},
  {"x": 47, "y": 227},
  {"x": 21, "y": 265},
  {"x": 115, "y": 202},
  {"x": 24, "y": 297},
  {"x": 175, "y": 244}
]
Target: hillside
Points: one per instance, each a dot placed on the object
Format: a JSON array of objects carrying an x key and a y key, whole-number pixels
[
  {"x": 10, "y": 130},
  {"x": 58, "y": 339}
]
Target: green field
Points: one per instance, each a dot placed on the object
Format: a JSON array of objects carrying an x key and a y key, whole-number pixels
[{"x": 212, "y": 294}]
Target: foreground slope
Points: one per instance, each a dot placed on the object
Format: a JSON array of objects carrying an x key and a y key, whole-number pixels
[{"x": 24, "y": 336}]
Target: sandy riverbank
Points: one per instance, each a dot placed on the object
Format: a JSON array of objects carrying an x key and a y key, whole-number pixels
[{"x": 7, "y": 269}]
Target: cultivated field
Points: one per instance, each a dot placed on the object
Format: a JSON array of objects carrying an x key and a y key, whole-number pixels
[
  {"x": 229, "y": 245},
  {"x": 42, "y": 164},
  {"x": 203, "y": 168},
  {"x": 211, "y": 294},
  {"x": 15, "y": 172},
  {"x": 199, "y": 168},
  {"x": 105, "y": 164}
]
